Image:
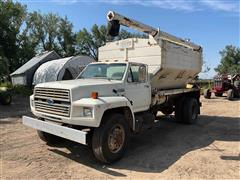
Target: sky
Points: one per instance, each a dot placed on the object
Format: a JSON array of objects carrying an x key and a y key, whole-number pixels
[{"x": 213, "y": 24}]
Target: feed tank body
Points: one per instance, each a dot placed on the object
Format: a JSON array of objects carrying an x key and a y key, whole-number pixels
[{"x": 170, "y": 65}]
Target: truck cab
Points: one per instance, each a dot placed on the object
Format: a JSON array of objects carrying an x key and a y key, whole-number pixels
[{"x": 73, "y": 102}]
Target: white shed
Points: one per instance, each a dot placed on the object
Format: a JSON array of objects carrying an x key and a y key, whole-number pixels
[
  {"x": 61, "y": 69},
  {"x": 24, "y": 74}
]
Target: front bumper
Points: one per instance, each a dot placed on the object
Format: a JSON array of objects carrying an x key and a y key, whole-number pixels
[{"x": 57, "y": 130}]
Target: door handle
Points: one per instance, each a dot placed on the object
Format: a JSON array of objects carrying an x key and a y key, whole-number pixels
[{"x": 147, "y": 86}]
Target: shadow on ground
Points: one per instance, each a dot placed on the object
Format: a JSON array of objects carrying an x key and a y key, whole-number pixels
[
  {"x": 18, "y": 107},
  {"x": 157, "y": 149}
]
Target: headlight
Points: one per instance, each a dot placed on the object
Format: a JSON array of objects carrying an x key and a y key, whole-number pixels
[{"x": 87, "y": 112}]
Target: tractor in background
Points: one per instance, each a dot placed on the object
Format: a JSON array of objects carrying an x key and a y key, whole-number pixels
[
  {"x": 5, "y": 96},
  {"x": 225, "y": 84}
]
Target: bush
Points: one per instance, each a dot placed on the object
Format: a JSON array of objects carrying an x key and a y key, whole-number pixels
[
  {"x": 6, "y": 84},
  {"x": 23, "y": 90},
  {"x": 18, "y": 89}
]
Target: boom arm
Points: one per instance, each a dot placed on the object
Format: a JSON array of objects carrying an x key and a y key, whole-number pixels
[
  {"x": 111, "y": 16},
  {"x": 155, "y": 33}
]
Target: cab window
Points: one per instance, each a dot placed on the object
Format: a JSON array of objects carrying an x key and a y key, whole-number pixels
[{"x": 137, "y": 74}]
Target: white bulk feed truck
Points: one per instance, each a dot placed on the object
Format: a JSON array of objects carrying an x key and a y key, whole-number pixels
[{"x": 121, "y": 93}]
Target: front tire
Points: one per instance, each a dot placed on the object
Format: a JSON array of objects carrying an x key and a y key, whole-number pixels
[
  {"x": 6, "y": 99},
  {"x": 230, "y": 94},
  {"x": 49, "y": 138},
  {"x": 207, "y": 93},
  {"x": 110, "y": 140},
  {"x": 218, "y": 94}
]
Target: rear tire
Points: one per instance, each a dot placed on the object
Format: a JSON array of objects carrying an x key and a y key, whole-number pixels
[
  {"x": 167, "y": 110},
  {"x": 155, "y": 113},
  {"x": 49, "y": 138},
  {"x": 190, "y": 110},
  {"x": 218, "y": 94},
  {"x": 110, "y": 140},
  {"x": 207, "y": 93},
  {"x": 179, "y": 109},
  {"x": 230, "y": 94}
]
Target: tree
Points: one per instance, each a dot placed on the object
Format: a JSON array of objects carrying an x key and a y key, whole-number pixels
[
  {"x": 125, "y": 34},
  {"x": 12, "y": 15},
  {"x": 88, "y": 42},
  {"x": 51, "y": 32},
  {"x": 66, "y": 38},
  {"x": 230, "y": 60}
]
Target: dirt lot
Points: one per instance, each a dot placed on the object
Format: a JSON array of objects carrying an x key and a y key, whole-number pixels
[{"x": 209, "y": 149}]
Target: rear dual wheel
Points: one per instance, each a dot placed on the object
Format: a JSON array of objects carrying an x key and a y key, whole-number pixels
[
  {"x": 167, "y": 110},
  {"x": 187, "y": 110}
]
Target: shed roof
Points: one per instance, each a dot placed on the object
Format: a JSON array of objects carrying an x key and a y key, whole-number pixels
[
  {"x": 34, "y": 61},
  {"x": 51, "y": 68}
]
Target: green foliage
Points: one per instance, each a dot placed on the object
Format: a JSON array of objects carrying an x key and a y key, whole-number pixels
[
  {"x": 125, "y": 34},
  {"x": 230, "y": 60},
  {"x": 66, "y": 38},
  {"x": 6, "y": 84},
  {"x": 22, "y": 90},
  {"x": 51, "y": 32},
  {"x": 15, "y": 90},
  {"x": 88, "y": 42},
  {"x": 12, "y": 15}
]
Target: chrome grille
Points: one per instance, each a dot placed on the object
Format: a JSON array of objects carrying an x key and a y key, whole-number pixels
[
  {"x": 55, "y": 94},
  {"x": 52, "y": 101}
]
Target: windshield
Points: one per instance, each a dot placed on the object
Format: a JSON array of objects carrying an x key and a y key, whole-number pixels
[{"x": 113, "y": 71}]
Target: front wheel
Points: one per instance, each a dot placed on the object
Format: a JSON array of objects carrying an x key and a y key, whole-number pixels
[
  {"x": 230, "y": 94},
  {"x": 49, "y": 138},
  {"x": 6, "y": 99},
  {"x": 207, "y": 93},
  {"x": 110, "y": 140},
  {"x": 218, "y": 94}
]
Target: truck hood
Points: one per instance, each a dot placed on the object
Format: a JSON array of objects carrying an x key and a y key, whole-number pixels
[{"x": 80, "y": 88}]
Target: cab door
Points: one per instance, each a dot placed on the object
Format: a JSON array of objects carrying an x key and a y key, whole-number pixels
[{"x": 137, "y": 87}]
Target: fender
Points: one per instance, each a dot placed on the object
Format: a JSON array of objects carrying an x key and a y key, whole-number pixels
[{"x": 102, "y": 104}]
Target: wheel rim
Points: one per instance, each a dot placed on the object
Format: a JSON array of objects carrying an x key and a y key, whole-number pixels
[{"x": 116, "y": 138}]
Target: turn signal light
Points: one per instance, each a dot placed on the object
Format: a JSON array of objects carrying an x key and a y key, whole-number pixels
[{"x": 94, "y": 95}]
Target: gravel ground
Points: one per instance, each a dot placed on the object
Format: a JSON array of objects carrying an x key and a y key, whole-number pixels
[{"x": 208, "y": 149}]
